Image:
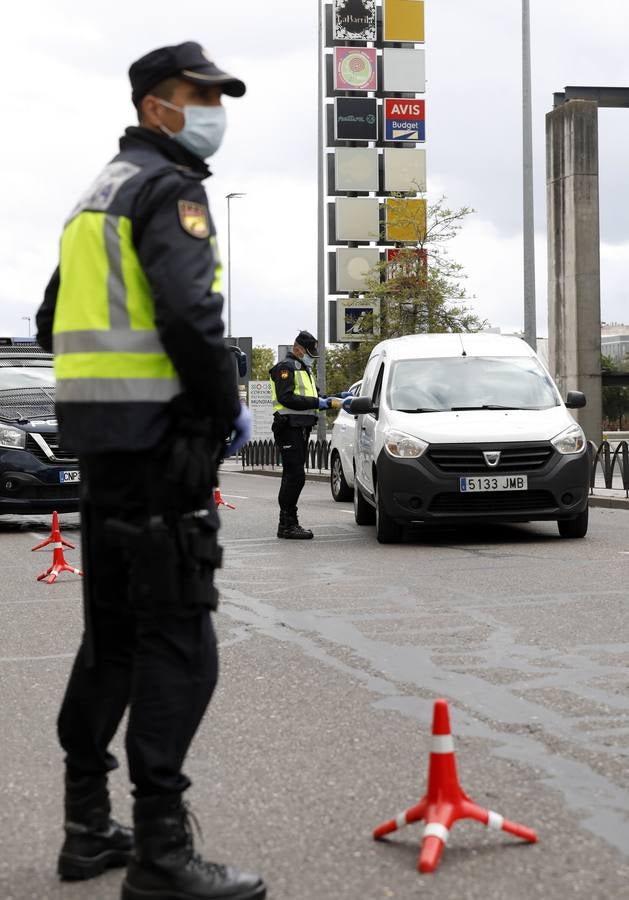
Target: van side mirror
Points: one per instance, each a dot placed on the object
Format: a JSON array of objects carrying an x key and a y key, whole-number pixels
[
  {"x": 575, "y": 400},
  {"x": 361, "y": 406}
]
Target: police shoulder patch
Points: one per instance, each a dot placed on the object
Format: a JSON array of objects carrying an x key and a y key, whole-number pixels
[
  {"x": 284, "y": 374},
  {"x": 194, "y": 218}
]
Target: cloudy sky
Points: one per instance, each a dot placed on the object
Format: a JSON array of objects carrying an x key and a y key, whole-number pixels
[{"x": 66, "y": 100}]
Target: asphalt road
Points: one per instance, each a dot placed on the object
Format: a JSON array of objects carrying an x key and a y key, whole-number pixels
[{"x": 332, "y": 653}]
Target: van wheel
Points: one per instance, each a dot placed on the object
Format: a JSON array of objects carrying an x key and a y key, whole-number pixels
[
  {"x": 341, "y": 491},
  {"x": 576, "y": 527},
  {"x": 364, "y": 513},
  {"x": 387, "y": 529}
]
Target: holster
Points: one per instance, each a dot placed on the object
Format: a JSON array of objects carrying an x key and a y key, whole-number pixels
[{"x": 171, "y": 564}]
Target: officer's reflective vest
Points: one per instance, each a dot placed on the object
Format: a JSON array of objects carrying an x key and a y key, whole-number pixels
[
  {"x": 106, "y": 345},
  {"x": 305, "y": 386}
]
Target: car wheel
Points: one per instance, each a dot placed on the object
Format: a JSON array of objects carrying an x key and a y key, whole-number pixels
[
  {"x": 341, "y": 491},
  {"x": 576, "y": 527},
  {"x": 387, "y": 529},
  {"x": 364, "y": 513}
]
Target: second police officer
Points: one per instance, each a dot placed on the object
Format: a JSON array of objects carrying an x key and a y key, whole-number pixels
[{"x": 296, "y": 407}]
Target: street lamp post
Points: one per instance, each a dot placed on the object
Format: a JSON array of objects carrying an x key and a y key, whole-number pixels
[
  {"x": 528, "y": 223},
  {"x": 28, "y": 319},
  {"x": 229, "y": 198}
]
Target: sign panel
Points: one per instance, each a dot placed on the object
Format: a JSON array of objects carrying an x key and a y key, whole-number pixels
[
  {"x": 357, "y": 320},
  {"x": 356, "y": 119},
  {"x": 404, "y": 70},
  {"x": 357, "y": 219},
  {"x": 404, "y": 170},
  {"x": 356, "y": 168},
  {"x": 404, "y": 20},
  {"x": 261, "y": 406},
  {"x": 354, "y": 266},
  {"x": 355, "y": 69},
  {"x": 404, "y": 120},
  {"x": 413, "y": 262},
  {"x": 405, "y": 220},
  {"x": 354, "y": 20}
]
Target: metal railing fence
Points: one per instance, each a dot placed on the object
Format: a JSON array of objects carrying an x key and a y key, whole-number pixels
[{"x": 609, "y": 462}]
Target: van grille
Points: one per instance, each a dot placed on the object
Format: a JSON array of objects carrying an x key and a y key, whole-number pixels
[
  {"x": 465, "y": 459},
  {"x": 52, "y": 439},
  {"x": 493, "y": 502}
]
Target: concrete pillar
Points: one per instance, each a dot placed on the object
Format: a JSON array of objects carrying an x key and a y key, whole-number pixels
[{"x": 574, "y": 304}]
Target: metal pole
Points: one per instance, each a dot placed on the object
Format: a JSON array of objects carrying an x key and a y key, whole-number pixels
[
  {"x": 528, "y": 218},
  {"x": 229, "y": 269},
  {"x": 321, "y": 335}
]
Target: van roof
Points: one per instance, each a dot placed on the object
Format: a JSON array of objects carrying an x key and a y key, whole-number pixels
[{"x": 430, "y": 346}]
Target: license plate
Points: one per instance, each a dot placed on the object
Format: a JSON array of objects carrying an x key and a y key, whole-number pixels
[
  {"x": 69, "y": 476},
  {"x": 493, "y": 483}
]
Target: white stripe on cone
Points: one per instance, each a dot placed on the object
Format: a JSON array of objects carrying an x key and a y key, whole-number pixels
[
  {"x": 435, "y": 829},
  {"x": 495, "y": 820},
  {"x": 442, "y": 743}
]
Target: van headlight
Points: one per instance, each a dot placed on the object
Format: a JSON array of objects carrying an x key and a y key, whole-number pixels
[
  {"x": 572, "y": 440},
  {"x": 12, "y": 437},
  {"x": 403, "y": 446}
]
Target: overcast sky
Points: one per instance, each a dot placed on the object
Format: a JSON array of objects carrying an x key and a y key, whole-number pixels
[{"x": 66, "y": 101}]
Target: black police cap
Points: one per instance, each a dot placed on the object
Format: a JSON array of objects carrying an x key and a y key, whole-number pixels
[
  {"x": 188, "y": 61},
  {"x": 308, "y": 342}
]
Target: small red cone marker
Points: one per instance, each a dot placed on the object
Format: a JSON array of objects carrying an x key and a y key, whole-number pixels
[
  {"x": 218, "y": 499},
  {"x": 55, "y": 536},
  {"x": 445, "y": 800},
  {"x": 59, "y": 563}
]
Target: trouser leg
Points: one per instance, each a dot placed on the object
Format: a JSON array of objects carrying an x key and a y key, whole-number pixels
[
  {"x": 293, "y": 449},
  {"x": 175, "y": 673}
]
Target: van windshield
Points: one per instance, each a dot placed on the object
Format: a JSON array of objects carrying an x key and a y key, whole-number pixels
[
  {"x": 13, "y": 377},
  {"x": 470, "y": 382}
]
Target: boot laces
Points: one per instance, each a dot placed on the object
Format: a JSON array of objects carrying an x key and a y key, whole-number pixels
[{"x": 192, "y": 825}]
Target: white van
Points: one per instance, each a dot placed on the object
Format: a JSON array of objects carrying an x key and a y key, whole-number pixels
[{"x": 456, "y": 428}]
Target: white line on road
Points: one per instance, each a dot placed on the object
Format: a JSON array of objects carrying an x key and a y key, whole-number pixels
[{"x": 9, "y": 659}]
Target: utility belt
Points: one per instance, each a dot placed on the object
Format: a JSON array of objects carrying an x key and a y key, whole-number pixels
[
  {"x": 298, "y": 420},
  {"x": 171, "y": 563}
]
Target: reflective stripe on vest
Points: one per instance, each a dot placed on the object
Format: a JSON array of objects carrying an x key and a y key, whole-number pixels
[
  {"x": 107, "y": 348},
  {"x": 305, "y": 387}
]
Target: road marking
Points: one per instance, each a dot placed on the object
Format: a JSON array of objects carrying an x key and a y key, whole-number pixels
[
  {"x": 8, "y": 659},
  {"x": 235, "y": 496}
]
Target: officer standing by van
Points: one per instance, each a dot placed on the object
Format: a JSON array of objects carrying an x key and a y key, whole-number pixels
[
  {"x": 296, "y": 407},
  {"x": 147, "y": 395}
]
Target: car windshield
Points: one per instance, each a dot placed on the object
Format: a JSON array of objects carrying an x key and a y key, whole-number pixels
[
  {"x": 12, "y": 378},
  {"x": 470, "y": 382}
]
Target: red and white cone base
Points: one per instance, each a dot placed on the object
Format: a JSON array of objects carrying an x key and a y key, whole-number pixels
[
  {"x": 218, "y": 499},
  {"x": 445, "y": 800},
  {"x": 59, "y": 563}
]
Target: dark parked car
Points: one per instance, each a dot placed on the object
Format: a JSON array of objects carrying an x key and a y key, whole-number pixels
[{"x": 36, "y": 475}]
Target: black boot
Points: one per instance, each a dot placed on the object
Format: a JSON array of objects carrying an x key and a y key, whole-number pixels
[
  {"x": 164, "y": 864},
  {"x": 94, "y": 841},
  {"x": 291, "y": 528}
]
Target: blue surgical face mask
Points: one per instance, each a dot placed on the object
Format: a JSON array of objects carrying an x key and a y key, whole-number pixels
[
  {"x": 203, "y": 129},
  {"x": 307, "y": 359}
]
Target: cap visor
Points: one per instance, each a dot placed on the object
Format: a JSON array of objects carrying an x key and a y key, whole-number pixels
[{"x": 213, "y": 76}]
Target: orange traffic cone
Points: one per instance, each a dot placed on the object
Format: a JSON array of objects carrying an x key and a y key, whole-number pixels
[
  {"x": 218, "y": 499},
  {"x": 55, "y": 536},
  {"x": 445, "y": 800},
  {"x": 59, "y": 563}
]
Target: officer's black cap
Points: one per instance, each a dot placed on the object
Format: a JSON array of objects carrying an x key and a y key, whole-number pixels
[
  {"x": 188, "y": 61},
  {"x": 308, "y": 342}
]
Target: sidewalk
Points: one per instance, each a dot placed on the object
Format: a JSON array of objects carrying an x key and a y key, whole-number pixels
[{"x": 614, "y": 498}]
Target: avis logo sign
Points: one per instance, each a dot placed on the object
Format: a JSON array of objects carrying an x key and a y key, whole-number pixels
[{"x": 404, "y": 120}]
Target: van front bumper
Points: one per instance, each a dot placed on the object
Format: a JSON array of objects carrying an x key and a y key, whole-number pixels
[{"x": 417, "y": 490}]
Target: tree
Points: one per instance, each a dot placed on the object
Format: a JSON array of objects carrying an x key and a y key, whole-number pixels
[
  {"x": 418, "y": 289},
  {"x": 615, "y": 399},
  {"x": 263, "y": 360}
]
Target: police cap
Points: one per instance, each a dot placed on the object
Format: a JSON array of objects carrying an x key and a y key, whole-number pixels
[
  {"x": 188, "y": 61},
  {"x": 308, "y": 342}
]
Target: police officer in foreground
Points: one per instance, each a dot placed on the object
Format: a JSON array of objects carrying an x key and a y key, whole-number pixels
[
  {"x": 296, "y": 407},
  {"x": 147, "y": 395}
]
